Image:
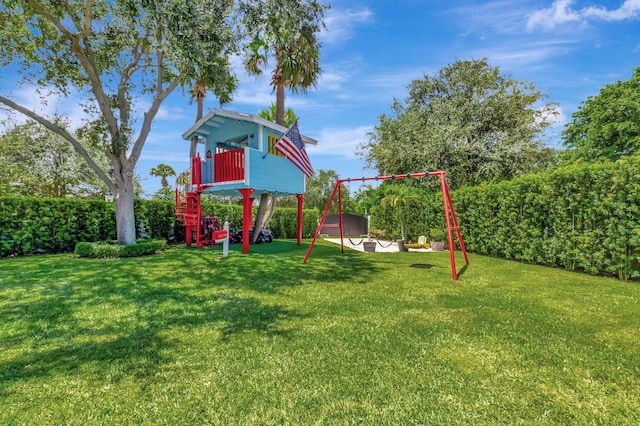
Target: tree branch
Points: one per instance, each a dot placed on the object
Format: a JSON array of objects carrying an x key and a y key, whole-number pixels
[
  {"x": 149, "y": 116},
  {"x": 88, "y": 17},
  {"x": 87, "y": 64},
  {"x": 62, "y": 132}
]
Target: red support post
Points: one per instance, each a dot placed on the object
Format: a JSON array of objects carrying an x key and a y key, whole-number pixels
[
  {"x": 246, "y": 217},
  {"x": 324, "y": 216},
  {"x": 456, "y": 227},
  {"x": 447, "y": 203},
  {"x": 450, "y": 215},
  {"x": 340, "y": 216},
  {"x": 300, "y": 198}
]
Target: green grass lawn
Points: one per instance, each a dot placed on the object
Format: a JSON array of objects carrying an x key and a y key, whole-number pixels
[{"x": 190, "y": 337}]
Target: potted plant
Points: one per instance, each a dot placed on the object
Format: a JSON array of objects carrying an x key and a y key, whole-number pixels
[
  {"x": 437, "y": 236},
  {"x": 369, "y": 246}
]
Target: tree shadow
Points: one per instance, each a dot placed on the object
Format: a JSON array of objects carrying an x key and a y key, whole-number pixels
[{"x": 66, "y": 313}]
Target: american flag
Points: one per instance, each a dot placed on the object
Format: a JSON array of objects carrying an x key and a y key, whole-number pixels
[{"x": 292, "y": 147}]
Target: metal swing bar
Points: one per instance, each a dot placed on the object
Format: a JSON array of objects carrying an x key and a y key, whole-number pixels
[{"x": 449, "y": 213}]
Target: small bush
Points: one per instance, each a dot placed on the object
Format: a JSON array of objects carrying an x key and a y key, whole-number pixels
[{"x": 105, "y": 250}]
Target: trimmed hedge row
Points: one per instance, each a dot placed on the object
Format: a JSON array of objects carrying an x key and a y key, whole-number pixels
[
  {"x": 583, "y": 217},
  {"x": 54, "y": 225}
]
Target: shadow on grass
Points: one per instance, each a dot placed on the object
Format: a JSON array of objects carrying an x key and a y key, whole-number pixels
[
  {"x": 60, "y": 313},
  {"x": 138, "y": 350},
  {"x": 422, "y": 265}
]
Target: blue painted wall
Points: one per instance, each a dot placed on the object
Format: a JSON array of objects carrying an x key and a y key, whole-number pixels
[{"x": 273, "y": 174}]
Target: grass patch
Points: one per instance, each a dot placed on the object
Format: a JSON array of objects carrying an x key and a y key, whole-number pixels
[{"x": 190, "y": 337}]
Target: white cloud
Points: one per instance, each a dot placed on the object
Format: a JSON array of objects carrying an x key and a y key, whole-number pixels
[
  {"x": 630, "y": 9},
  {"x": 524, "y": 53},
  {"x": 164, "y": 112},
  {"x": 561, "y": 12},
  {"x": 502, "y": 16},
  {"x": 340, "y": 142},
  {"x": 340, "y": 24},
  {"x": 46, "y": 103}
]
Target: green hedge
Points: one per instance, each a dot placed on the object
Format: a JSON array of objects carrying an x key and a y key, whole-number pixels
[
  {"x": 583, "y": 217},
  {"x": 53, "y": 225},
  {"x": 105, "y": 250}
]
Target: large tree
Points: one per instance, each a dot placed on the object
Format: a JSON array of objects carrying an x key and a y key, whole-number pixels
[
  {"x": 37, "y": 162},
  {"x": 606, "y": 126},
  {"x": 467, "y": 119},
  {"x": 285, "y": 32},
  {"x": 110, "y": 54}
]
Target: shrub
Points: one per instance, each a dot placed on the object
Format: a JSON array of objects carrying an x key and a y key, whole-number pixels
[
  {"x": 581, "y": 218},
  {"x": 106, "y": 250}
]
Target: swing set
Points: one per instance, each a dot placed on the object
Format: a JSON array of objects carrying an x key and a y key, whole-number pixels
[{"x": 449, "y": 213}]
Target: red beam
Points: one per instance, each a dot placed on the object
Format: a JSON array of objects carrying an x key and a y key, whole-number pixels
[{"x": 324, "y": 216}]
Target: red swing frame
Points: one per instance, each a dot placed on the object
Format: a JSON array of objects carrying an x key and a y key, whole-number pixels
[{"x": 449, "y": 213}]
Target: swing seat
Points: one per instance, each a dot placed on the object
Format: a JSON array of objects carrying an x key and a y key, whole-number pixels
[{"x": 422, "y": 243}]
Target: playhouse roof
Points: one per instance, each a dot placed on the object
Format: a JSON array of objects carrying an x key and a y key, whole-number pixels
[{"x": 218, "y": 117}]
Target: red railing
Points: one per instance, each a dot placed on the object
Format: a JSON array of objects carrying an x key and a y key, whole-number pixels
[
  {"x": 228, "y": 166},
  {"x": 196, "y": 170},
  {"x": 223, "y": 167}
]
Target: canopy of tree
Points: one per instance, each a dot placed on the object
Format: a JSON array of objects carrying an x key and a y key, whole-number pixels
[
  {"x": 606, "y": 126},
  {"x": 109, "y": 54},
  {"x": 469, "y": 120},
  {"x": 270, "y": 114},
  {"x": 37, "y": 162}
]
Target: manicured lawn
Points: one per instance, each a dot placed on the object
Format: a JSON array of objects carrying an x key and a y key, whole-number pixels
[{"x": 189, "y": 337}]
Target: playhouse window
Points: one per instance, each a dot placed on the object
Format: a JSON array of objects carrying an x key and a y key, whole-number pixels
[{"x": 272, "y": 141}]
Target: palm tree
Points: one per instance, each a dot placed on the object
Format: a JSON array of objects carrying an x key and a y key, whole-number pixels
[
  {"x": 290, "y": 116},
  {"x": 285, "y": 29},
  {"x": 199, "y": 92},
  {"x": 397, "y": 200},
  {"x": 163, "y": 171}
]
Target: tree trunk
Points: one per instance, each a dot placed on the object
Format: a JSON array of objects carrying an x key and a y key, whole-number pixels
[
  {"x": 200, "y": 94},
  {"x": 261, "y": 215},
  {"x": 280, "y": 104},
  {"x": 125, "y": 217},
  {"x": 193, "y": 148},
  {"x": 270, "y": 211}
]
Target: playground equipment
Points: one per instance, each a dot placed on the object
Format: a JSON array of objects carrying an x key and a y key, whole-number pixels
[
  {"x": 449, "y": 213},
  {"x": 241, "y": 161}
]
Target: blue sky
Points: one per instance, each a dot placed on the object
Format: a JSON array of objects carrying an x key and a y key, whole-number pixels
[{"x": 372, "y": 50}]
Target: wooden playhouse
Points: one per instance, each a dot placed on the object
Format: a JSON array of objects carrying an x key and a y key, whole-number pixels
[{"x": 239, "y": 161}]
